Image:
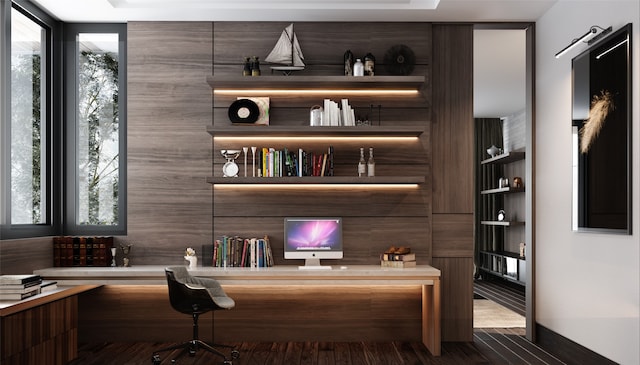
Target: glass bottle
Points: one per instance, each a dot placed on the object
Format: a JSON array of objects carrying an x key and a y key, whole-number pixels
[
  {"x": 348, "y": 63},
  {"x": 371, "y": 164},
  {"x": 247, "y": 67},
  {"x": 255, "y": 66},
  {"x": 362, "y": 165},
  {"x": 358, "y": 68},
  {"x": 369, "y": 64}
]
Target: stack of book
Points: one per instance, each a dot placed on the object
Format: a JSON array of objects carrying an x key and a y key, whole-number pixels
[
  {"x": 18, "y": 287},
  {"x": 401, "y": 258}
]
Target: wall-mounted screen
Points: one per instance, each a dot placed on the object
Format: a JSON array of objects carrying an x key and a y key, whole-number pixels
[{"x": 602, "y": 135}]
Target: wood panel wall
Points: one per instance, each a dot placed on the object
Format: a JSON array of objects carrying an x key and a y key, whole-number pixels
[
  {"x": 170, "y": 155},
  {"x": 169, "y": 152},
  {"x": 373, "y": 219},
  {"x": 19, "y": 256},
  {"x": 452, "y": 145}
]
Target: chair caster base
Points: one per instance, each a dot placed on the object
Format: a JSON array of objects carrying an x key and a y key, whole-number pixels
[
  {"x": 235, "y": 354},
  {"x": 155, "y": 359}
]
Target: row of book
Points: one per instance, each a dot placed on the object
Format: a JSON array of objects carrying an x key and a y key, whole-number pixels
[
  {"x": 337, "y": 115},
  {"x": 285, "y": 162},
  {"x": 18, "y": 287},
  {"x": 235, "y": 251},
  {"x": 82, "y": 251},
  {"x": 401, "y": 260}
]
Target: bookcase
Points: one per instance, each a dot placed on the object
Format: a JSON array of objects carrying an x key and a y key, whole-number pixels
[
  {"x": 506, "y": 260},
  {"x": 400, "y": 150}
]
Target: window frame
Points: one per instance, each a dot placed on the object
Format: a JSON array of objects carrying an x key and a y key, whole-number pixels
[
  {"x": 71, "y": 31},
  {"x": 52, "y": 139}
]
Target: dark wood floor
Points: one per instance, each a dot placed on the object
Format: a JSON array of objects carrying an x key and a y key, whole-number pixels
[
  {"x": 490, "y": 346},
  {"x": 504, "y": 293}
]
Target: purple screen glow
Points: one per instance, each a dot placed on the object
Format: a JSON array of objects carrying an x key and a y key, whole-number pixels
[{"x": 313, "y": 234}]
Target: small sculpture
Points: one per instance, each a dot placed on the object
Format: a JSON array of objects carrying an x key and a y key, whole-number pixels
[
  {"x": 190, "y": 255},
  {"x": 125, "y": 251}
]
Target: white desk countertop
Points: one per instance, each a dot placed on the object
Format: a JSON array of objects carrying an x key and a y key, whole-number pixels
[{"x": 282, "y": 274}]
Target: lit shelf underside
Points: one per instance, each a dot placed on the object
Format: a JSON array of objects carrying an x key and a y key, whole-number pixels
[
  {"x": 320, "y": 180},
  {"x": 316, "y": 82},
  {"x": 287, "y": 131}
]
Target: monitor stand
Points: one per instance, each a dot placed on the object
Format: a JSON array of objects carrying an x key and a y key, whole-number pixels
[{"x": 313, "y": 264}]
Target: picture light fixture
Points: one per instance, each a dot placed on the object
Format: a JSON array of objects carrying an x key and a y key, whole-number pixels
[{"x": 589, "y": 37}]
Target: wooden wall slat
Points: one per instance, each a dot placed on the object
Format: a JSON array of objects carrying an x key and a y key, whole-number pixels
[
  {"x": 169, "y": 152},
  {"x": 453, "y": 235},
  {"x": 262, "y": 313},
  {"x": 457, "y": 299},
  {"x": 452, "y": 126}
]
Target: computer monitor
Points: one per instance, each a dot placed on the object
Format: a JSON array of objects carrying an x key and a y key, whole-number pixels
[{"x": 312, "y": 239}]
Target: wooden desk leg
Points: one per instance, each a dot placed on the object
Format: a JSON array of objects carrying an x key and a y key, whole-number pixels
[{"x": 431, "y": 317}]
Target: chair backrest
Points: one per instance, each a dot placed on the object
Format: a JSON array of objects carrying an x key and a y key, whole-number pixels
[{"x": 182, "y": 298}]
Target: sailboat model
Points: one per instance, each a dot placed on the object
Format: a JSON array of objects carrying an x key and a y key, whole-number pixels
[{"x": 287, "y": 52}]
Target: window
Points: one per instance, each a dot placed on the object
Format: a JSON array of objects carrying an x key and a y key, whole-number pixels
[
  {"x": 28, "y": 120},
  {"x": 95, "y": 130}
]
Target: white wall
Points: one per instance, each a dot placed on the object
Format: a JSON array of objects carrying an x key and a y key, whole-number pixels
[{"x": 587, "y": 285}]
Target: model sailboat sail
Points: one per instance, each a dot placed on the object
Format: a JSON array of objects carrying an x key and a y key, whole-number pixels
[{"x": 287, "y": 52}]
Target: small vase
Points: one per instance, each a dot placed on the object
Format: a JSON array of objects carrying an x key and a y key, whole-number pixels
[{"x": 193, "y": 261}]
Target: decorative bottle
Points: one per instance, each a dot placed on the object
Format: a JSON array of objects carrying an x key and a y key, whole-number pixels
[
  {"x": 348, "y": 63},
  {"x": 362, "y": 165},
  {"x": 369, "y": 64},
  {"x": 247, "y": 67},
  {"x": 255, "y": 66},
  {"x": 371, "y": 164},
  {"x": 358, "y": 68}
]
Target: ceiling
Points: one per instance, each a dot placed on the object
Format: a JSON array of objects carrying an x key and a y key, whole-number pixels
[{"x": 498, "y": 55}]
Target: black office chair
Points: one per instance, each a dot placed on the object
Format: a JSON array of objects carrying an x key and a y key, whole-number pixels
[{"x": 195, "y": 296}]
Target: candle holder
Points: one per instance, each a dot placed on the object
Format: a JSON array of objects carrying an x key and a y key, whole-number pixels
[
  {"x": 126, "y": 250},
  {"x": 113, "y": 256}
]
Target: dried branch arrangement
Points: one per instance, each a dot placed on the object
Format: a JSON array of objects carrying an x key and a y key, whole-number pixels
[{"x": 601, "y": 106}]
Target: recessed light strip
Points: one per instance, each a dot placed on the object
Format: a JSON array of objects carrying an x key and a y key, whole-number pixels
[
  {"x": 315, "y": 138},
  {"x": 390, "y": 92},
  {"x": 315, "y": 187}
]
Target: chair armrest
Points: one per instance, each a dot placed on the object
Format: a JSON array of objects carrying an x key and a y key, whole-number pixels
[{"x": 195, "y": 286}]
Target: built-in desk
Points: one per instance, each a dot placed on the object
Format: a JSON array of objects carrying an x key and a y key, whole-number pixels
[
  {"x": 424, "y": 276},
  {"x": 42, "y": 329}
]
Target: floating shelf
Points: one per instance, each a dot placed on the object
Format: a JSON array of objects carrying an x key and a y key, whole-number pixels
[
  {"x": 507, "y": 190},
  {"x": 286, "y": 131},
  {"x": 505, "y": 158},
  {"x": 316, "y": 82},
  {"x": 330, "y": 180},
  {"x": 502, "y": 223}
]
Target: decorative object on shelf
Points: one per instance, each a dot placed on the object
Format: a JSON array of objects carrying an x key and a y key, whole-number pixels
[
  {"x": 253, "y": 160},
  {"x": 362, "y": 164},
  {"x": 358, "y": 68},
  {"x": 113, "y": 256},
  {"x": 399, "y": 60},
  {"x": 493, "y": 151},
  {"x": 244, "y": 111},
  {"x": 190, "y": 255},
  {"x": 371, "y": 164},
  {"x": 369, "y": 65},
  {"x": 523, "y": 246},
  {"x": 398, "y": 257},
  {"x": 503, "y": 182},
  {"x": 255, "y": 66},
  {"x": 244, "y": 153},
  {"x": 315, "y": 116},
  {"x": 348, "y": 63},
  {"x": 246, "y": 71},
  {"x": 501, "y": 215},
  {"x": 287, "y": 51},
  {"x": 126, "y": 250},
  {"x": 230, "y": 168},
  {"x": 517, "y": 182}
]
